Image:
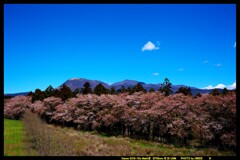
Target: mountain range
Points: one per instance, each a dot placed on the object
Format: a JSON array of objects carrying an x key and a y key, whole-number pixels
[{"x": 74, "y": 83}]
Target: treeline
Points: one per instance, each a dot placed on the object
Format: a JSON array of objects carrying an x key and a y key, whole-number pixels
[
  {"x": 64, "y": 92},
  {"x": 177, "y": 119}
]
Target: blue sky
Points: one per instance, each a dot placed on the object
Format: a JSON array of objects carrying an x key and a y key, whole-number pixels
[{"x": 193, "y": 45}]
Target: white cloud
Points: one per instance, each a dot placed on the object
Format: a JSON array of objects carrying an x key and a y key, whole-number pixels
[
  {"x": 180, "y": 69},
  {"x": 218, "y": 65},
  {"x": 149, "y": 46},
  {"x": 233, "y": 86},
  {"x": 156, "y": 74},
  {"x": 222, "y": 86},
  {"x": 234, "y": 45},
  {"x": 206, "y": 61},
  {"x": 208, "y": 87}
]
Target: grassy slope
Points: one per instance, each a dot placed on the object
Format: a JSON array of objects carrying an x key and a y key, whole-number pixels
[{"x": 13, "y": 138}]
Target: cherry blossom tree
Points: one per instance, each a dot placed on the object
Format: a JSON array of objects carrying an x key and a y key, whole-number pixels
[{"x": 16, "y": 106}]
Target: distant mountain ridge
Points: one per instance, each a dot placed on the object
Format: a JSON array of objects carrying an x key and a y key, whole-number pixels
[
  {"x": 74, "y": 83},
  {"x": 126, "y": 83},
  {"x": 17, "y": 94}
]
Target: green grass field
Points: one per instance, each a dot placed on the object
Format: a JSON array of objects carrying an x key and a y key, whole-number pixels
[{"x": 13, "y": 138}]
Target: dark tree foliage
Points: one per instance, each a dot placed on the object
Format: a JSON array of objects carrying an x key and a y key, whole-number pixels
[
  {"x": 129, "y": 90},
  {"x": 76, "y": 91},
  {"x": 49, "y": 91},
  {"x": 56, "y": 93},
  {"x": 65, "y": 92},
  {"x": 100, "y": 89},
  {"x": 38, "y": 95},
  {"x": 112, "y": 90},
  {"x": 225, "y": 91},
  {"x": 138, "y": 88},
  {"x": 215, "y": 92},
  {"x": 118, "y": 91},
  {"x": 166, "y": 87},
  {"x": 185, "y": 91},
  {"x": 152, "y": 90},
  {"x": 87, "y": 88},
  {"x": 30, "y": 93},
  {"x": 122, "y": 90}
]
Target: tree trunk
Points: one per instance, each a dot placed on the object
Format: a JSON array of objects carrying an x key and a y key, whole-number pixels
[
  {"x": 126, "y": 130},
  {"x": 151, "y": 131}
]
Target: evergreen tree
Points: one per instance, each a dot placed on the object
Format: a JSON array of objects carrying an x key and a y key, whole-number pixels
[
  {"x": 76, "y": 91},
  {"x": 49, "y": 91},
  {"x": 65, "y": 92},
  {"x": 30, "y": 93},
  {"x": 215, "y": 92},
  {"x": 166, "y": 87},
  {"x": 112, "y": 90},
  {"x": 225, "y": 91},
  {"x": 129, "y": 90},
  {"x": 100, "y": 89},
  {"x": 37, "y": 95},
  {"x": 57, "y": 93},
  {"x": 122, "y": 89},
  {"x": 87, "y": 88},
  {"x": 152, "y": 90},
  {"x": 138, "y": 88},
  {"x": 185, "y": 91}
]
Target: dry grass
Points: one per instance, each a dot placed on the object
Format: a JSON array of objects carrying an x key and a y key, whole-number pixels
[
  {"x": 50, "y": 140},
  {"x": 44, "y": 140}
]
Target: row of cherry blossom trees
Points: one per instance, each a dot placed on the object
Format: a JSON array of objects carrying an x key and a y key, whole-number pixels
[{"x": 179, "y": 119}]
